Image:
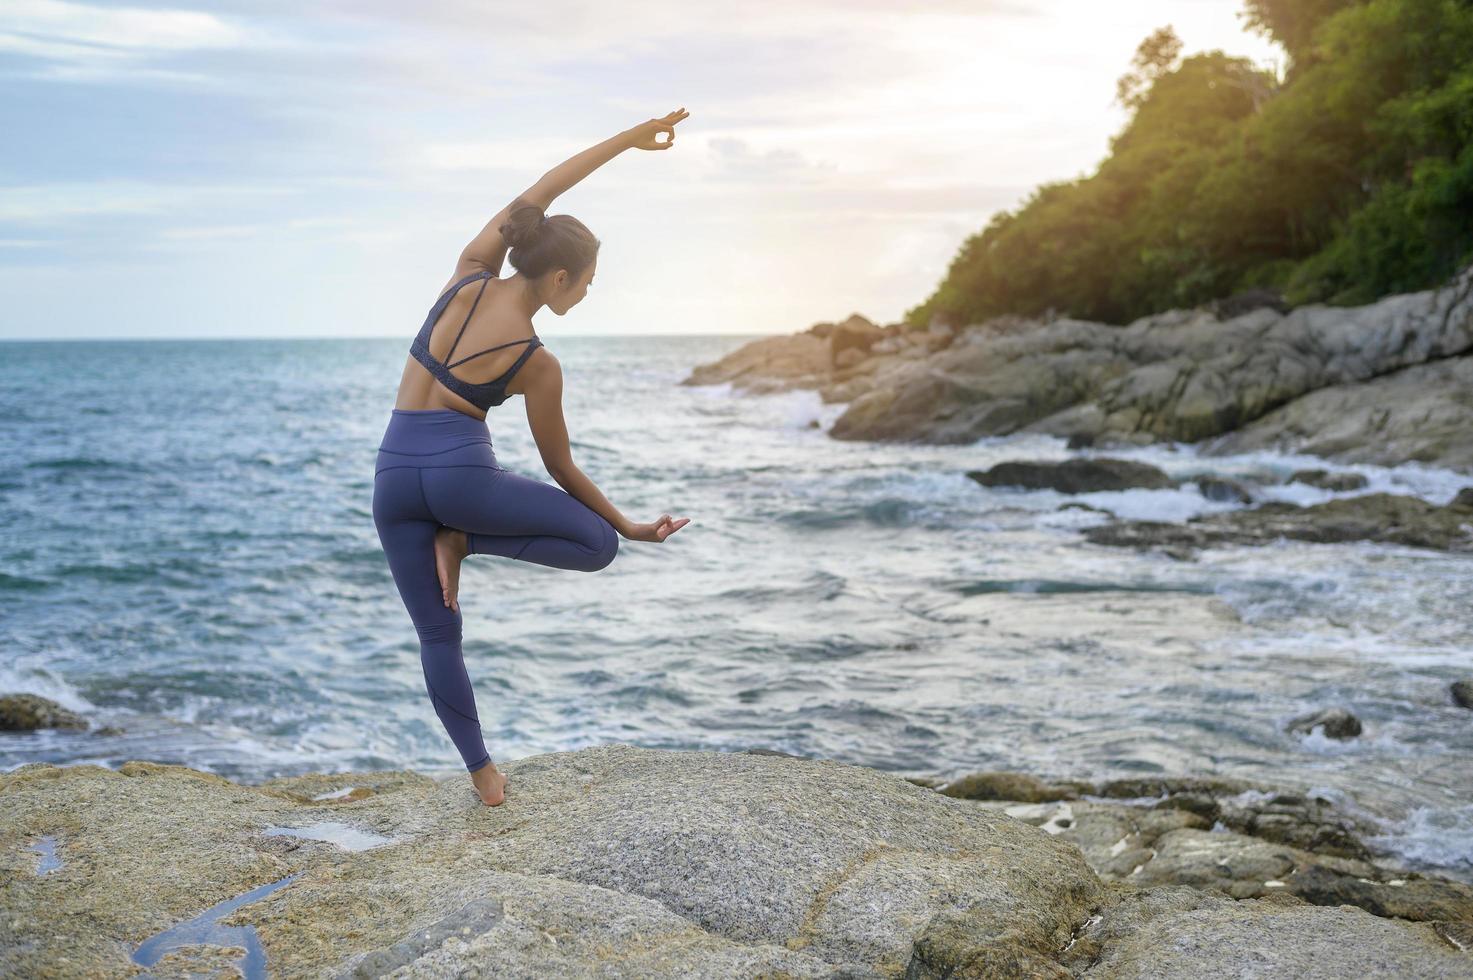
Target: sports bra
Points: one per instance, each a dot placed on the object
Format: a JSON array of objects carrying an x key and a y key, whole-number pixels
[{"x": 484, "y": 395}]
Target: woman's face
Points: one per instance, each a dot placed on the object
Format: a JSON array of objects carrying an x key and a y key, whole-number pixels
[{"x": 573, "y": 291}]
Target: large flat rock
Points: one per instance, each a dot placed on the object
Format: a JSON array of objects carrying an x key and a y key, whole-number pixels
[{"x": 608, "y": 861}]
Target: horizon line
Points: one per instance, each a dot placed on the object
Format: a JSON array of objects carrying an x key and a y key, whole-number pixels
[{"x": 64, "y": 340}]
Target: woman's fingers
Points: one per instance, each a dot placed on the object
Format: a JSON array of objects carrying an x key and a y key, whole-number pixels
[{"x": 668, "y": 527}]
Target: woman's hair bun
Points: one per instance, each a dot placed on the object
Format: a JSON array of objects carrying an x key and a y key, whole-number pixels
[
  {"x": 541, "y": 244},
  {"x": 523, "y": 226}
]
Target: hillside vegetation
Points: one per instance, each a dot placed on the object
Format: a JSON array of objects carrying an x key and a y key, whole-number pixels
[{"x": 1349, "y": 178}]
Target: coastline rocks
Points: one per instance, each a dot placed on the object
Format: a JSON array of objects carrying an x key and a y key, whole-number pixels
[
  {"x": 1381, "y": 517},
  {"x": 1254, "y": 844},
  {"x": 771, "y": 364},
  {"x": 1074, "y": 475},
  {"x": 1418, "y": 414},
  {"x": 1462, "y": 692},
  {"x": 27, "y": 712},
  {"x": 1381, "y": 383}
]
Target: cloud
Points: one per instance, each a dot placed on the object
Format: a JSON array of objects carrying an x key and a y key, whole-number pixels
[
  {"x": 42, "y": 203},
  {"x": 86, "y": 42}
]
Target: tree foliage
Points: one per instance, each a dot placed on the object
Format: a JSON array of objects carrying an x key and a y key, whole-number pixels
[{"x": 1351, "y": 178}]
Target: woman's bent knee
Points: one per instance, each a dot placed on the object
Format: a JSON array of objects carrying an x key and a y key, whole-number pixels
[{"x": 605, "y": 554}]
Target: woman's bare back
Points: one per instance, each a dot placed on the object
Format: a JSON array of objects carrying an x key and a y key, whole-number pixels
[{"x": 494, "y": 320}]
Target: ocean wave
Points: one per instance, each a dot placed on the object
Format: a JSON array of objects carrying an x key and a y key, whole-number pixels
[
  {"x": 885, "y": 512},
  {"x": 19, "y": 583},
  {"x": 1031, "y": 586},
  {"x": 66, "y": 463}
]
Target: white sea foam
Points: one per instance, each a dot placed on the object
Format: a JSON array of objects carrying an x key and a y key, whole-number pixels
[{"x": 1433, "y": 837}]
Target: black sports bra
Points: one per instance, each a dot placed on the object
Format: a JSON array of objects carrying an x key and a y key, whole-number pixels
[{"x": 485, "y": 395}]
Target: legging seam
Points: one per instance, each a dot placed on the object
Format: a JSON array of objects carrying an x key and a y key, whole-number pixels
[
  {"x": 438, "y": 452},
  {"x": 448, "y": 466},
  {"x": 422, "y": 498},
  {"x": 436, "y": 694}
]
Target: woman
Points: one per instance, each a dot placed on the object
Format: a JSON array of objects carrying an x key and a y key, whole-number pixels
[{"x": 438, "y": 492}]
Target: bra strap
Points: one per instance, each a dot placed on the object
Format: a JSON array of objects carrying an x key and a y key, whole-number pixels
[
  {"x": 488, "y": 350},
  {"x": 467, "y": 319}
]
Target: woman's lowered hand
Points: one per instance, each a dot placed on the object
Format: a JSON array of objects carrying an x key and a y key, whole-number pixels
[{"x": 657, "y": 530}]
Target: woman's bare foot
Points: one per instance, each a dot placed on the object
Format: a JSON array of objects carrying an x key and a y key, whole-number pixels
[
  {"x": 490, "y": 783},
  {"x": 451, "y": 547}
]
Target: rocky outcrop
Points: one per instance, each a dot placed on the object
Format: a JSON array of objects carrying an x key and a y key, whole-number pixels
[
  {"x": 1421, "y": 414},
  {"x": 621, "y": 861},
  {"x": 1383, "y": 517},
  {"x": 1391, "y": 379}
]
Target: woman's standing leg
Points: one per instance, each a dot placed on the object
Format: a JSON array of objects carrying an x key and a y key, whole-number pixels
[
  {"x": 516, "y": 517},
  {"x": 407, "y": 531}
]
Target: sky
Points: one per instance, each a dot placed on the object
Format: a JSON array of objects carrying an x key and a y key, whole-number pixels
[{"x": 274, "y": 169}]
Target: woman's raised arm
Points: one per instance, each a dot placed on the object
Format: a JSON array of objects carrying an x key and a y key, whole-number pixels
[{"x": 487, "y": 249}]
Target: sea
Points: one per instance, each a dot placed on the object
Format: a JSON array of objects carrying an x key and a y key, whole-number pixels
[{"x": 188, "y": 555}]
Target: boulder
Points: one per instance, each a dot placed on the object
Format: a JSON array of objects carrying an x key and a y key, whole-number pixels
[
  {"x": 26, "y": 712},
  {"x": 1462, "y": 692},
  {"x": 1223, "y": 490},
  {"x": 1336, "y": 723},
  {"x": 1074, "y": 475}
]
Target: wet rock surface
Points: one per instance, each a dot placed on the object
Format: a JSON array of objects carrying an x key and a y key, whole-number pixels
[
  {"x": 621, "y": 861},
  {"x": 1385, "y": 383},
  {"x": 1081, "y": 475},
  {"x": 1383, "y": 517},
  {"x": 1333, "y": 722}
]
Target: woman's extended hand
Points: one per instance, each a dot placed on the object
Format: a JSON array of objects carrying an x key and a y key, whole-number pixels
[
  {"x": 657, "y": 530},
  {"x": 643, "y": 136}
]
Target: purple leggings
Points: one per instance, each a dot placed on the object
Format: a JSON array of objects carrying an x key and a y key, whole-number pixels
[{"x": 436, "y": 467}]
